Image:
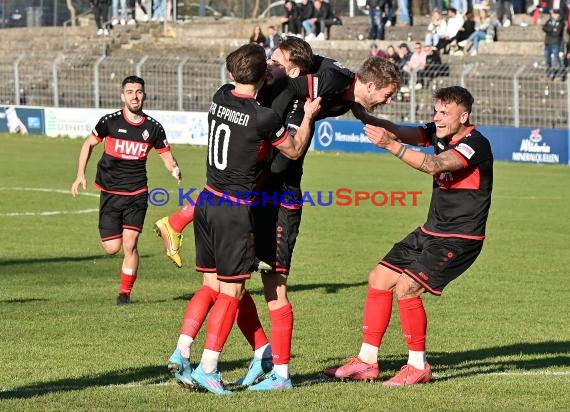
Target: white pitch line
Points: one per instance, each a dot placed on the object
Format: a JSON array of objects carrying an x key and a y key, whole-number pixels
[
  {"x": 172, "y": 383},
  {"x": 50, "y": 213}
]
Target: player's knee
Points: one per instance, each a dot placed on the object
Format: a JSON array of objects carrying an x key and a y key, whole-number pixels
[{"x": 111, "y": 249}]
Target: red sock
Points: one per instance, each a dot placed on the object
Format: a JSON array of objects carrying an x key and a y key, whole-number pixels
[
  {"x": 248, "y": 321},
  {"x": 377, "y": 312},
  {"x": 127, "y": 282},
  {"x": 220, "y": 322},
  {"x": 197, "y": 310},
  {"x": 414, "y": 322},
  {"x": 182, "y": 218},
  {"x": 281, "y": 334}
]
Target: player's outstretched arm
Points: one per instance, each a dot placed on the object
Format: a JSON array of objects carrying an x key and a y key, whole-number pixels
[
  {"x": 84, "y": 156},
  {"x": 171, "y": 165},
  {"x": 427, "y": 163},
  {"x": 293, "y": 148},
  {"x": 406, "y": 134}
]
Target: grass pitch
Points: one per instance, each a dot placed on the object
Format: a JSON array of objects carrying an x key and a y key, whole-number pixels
[{"x": 498, "y": 338}]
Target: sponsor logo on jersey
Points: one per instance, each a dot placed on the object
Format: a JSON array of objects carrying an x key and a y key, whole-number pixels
[
  {"x": 127, "y": 149},
  {"x": 122, "y": 131},
  {"x": 465, "y": 150}
]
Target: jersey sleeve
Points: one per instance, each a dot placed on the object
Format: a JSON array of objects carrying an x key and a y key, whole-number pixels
[
  {"x": 101, "y": 129},
  {"x": 428, "y": 133},
  {"x": 271, "y": 127},
  {"x": 159, "y": 141},
  {"x": 473, "y": 149}
]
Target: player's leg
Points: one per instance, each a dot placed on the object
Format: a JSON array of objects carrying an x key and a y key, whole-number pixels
[
  {"x": 219, "y": 326},
  {"x": 250, "y": 326},
  {"x": 170, "y": 228},
  {"x": 280, "y": 308},
  {"x": 377, "y": 310},
  {"x": 133, "y": 211},
  {"x": 230, "y": 228},
  {"x": 441, "y": 261},
  {"x": 248, "y": 320},
  {"x": 130, "y": 266},
  {"x": 196, "y": 312}
]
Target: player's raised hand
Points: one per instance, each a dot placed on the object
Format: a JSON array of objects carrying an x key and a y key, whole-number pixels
[
  {"x": 378, "y": 135},
  {"x": 177, "y": 174},
  {"x": 80, "y": 180},
  {"x": 312, "y": 107}
]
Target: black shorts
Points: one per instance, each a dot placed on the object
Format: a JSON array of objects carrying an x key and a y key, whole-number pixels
[
  {"x": 432, "y": 261},
  {"x": 224, "y": 239},
  {"x": 118, "y": 212},
  {"x": 276, "y": 231}
]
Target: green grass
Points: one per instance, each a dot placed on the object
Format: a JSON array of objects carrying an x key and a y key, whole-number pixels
[{"x": 498, "y": 337}]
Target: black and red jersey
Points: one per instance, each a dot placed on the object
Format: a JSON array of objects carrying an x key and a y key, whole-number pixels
[
  {"x": 122, "y": 168},
  {"x": 240, "y": 135},
  {"x": 461, "y": 199},
  {"x": 328, "y": 79}
]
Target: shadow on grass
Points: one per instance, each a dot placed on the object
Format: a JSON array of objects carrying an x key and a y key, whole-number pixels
[
  {"x": 148, "y": 375},
  {"x": 519, "y": 357},
  {"x": 328, "y": 288},
  {"x": 24, "y": 300}
]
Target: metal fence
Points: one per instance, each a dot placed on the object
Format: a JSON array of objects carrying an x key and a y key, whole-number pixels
[{"x": 517, "y": 95}]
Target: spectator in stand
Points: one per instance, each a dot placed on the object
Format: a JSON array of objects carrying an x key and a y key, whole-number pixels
[
  {"x": 463, "y": 34},
  {"x": 119, "y": 15},
  {"x": 393, "y": 56},
  {"x": 100, "y": 13},
  {"x": 272, "y": 40},
  {"x": 290, "y": 20},
  {"x": 257, "y": 36},
  {"x": 454, "y": 23},
  {"x": 376, "y": 21},
  {"x": 504, "y": 9},
  {"x": 433, "y": 67},
  {"x": 416, "y": 64},
  {"x": 376, "y": 52},
  {"x": 484, "y": 30},
  {"x": 405, "y": 13},
  {"x": 132, "y": 6},
  {"x": 436, "y": 4},
  {"x": 322, "y": 13},
  {"x": 554, "y": 33},
  {"x": 306, "y": 16},
  {"x": 436, "y": 28},
  {"x": 460, "y": 5},
  {"x": 405, "y": 54}
]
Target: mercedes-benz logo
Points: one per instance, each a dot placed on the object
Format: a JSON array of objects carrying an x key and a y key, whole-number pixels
[{"x": 325, "y": 134}]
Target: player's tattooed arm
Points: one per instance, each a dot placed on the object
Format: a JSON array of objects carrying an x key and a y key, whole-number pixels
[{"x": 443, "y": 162}]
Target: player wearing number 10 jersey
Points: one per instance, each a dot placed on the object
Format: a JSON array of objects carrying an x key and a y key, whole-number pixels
[{"x": 240, "y": 132}]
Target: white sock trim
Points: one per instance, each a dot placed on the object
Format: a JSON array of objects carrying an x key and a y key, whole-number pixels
[{"x": 368, "y": 353}]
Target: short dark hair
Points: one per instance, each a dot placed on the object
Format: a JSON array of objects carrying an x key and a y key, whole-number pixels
[
  {"x": 247, "y": 64},
  {"x": 380, "y": 71},
  {"x": 132, "y": 79},
  {"x": 455, "y": 94},
  {"x": 300, "y": 53}
]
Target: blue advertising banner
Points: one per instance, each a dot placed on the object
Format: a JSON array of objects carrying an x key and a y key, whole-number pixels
[
  {"x": 22, "y": 120},
  {"x": 345, "y": 136},
  {"x": 528, "y": 145}
]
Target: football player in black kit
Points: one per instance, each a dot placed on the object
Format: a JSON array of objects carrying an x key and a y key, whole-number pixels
[
  {"x": 443, "y": 248},
  {"x": 129, "y": 134},
  {"x": 241, "y": 131}
]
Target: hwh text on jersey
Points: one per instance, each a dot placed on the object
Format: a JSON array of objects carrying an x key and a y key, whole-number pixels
[{"x": 127, "y": 149}]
